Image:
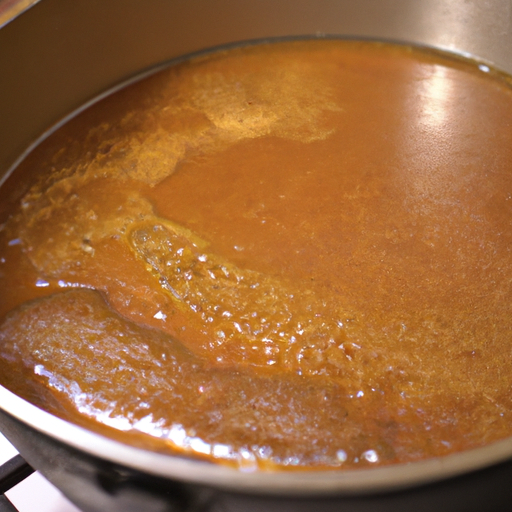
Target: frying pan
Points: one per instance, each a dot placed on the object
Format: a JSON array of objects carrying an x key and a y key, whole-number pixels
[{"x": 58, "y": 56}]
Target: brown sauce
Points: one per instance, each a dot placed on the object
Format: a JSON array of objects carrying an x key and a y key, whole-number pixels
[{"x": 286, "y": 255}]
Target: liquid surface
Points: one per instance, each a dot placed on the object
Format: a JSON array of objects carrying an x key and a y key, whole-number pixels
[{"x": 284, "y": 255}]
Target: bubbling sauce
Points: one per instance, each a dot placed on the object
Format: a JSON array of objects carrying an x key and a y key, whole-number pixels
[{"x": 284, "y": 255}]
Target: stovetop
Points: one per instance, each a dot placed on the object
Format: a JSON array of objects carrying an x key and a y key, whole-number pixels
[{"x": 33, "y": 494}]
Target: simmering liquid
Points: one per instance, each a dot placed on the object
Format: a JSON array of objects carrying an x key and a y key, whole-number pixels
[{"x": 294, "y": 254}]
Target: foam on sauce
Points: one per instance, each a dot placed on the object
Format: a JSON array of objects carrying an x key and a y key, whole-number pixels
[{"x": 285, "y": 255}]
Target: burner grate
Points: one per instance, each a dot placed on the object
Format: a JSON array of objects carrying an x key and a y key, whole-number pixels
[{"x": 12, "y": 473}]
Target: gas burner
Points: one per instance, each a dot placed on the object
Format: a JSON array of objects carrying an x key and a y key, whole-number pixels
[
  {"x": 22, "y": 489},
  {"x": 12, "y": 473}
]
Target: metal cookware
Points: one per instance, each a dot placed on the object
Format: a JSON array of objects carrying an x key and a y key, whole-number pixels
[{"x": 59, "y": 56}]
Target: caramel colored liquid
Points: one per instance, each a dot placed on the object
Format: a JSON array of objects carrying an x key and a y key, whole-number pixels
[{"x": 284, "y": 255}]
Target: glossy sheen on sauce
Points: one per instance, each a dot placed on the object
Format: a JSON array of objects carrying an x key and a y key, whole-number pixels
[{"x": 284, "y": 255}]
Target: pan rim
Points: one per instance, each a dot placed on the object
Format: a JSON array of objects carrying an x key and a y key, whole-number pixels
[
  {"x": 338, "y": 482},
  {"x": 283, "y": 483}
]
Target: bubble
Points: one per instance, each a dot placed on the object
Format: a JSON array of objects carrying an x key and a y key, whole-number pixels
[{"x": 371, "y": 456}]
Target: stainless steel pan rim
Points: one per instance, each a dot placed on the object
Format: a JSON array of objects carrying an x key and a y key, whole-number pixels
[{"x": 304, "y": 483}]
